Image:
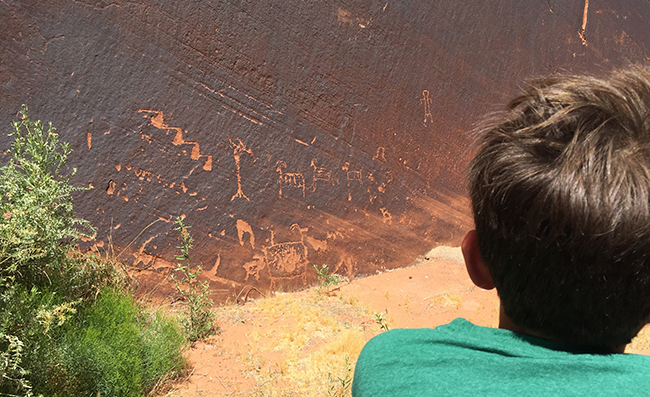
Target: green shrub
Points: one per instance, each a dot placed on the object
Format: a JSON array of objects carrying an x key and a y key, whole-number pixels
[
  {"x": 37, "y": 223},
  {"x": 114, "y": 349},
  {"x": 67, "y": 325},
  {"x": 326, "y": 279}
]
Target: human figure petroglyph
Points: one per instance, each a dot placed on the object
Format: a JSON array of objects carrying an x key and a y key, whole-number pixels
[
  {"x": 238, "y": 148},
  {"x": 320, "y": 174},
  {"x": 289, "y": 179},
  {"x": 352, "y": 175},
  {"x": 426, "y": 100}
]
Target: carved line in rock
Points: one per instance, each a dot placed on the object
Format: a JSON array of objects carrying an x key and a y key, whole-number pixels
[
  {"x": 426, "y": 101},
  {"x": 156, "y": 118},
  {"x": 582, "y": 30}
]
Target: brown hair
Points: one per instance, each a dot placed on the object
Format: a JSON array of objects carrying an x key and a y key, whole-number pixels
[{"x": 560, "y": 191}]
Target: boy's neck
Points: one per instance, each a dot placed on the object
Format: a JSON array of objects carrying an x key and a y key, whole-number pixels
[{"x": 506, "y": 323}]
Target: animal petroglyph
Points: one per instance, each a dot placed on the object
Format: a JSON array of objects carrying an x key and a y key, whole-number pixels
[
  {"x": 352, "y": 175},
  {"x": 426, "y": 100},
  {"x": 283, "y": 261},
  {"x": 242, "y": 228},
  {"x": 157, "y": 120},
  {"x": 289, "y": 179},
  {"x": 238, "y": 148},
  {"x": 320, "y": 174},
  {"x": 287, "y": 260},
  {"x": 317, "y": 245},
  {"x": 348, "y": 264}
]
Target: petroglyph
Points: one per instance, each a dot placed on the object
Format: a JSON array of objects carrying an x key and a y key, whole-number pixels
[
  {"x": 317, "y": 245},
  {"x": 426, "y": 100},
  {"x": 289, "y": 179},
  {"x": 581, "y": 33},
  {"x": 142, "y": 174},
  {"x": 287, "y": 260},
  {"x": 253, "y": 267},
  {"x": 388, "y": 218},
  {"x": 216, "y": 264},
  {"x": 381, "y": 154},
  {"x": 382, "y": 188},
  {"x": 242, "y": 228},
  {"x": 212, "y": 274},
  {"x": 346, "y": 262},
  {"x": 238, "y": 148},
  {"x": 157, "y": 120},
  {"x": 141, "y": 251},
  {"x": 148, "y": 176},
  {"x": 352, "y": 175},
  {"x": 345, "y": 16},
  {"x": 334, "y": 235},
  {"x": 111, "y": 187},
  {"x": 320, "y": 174}
]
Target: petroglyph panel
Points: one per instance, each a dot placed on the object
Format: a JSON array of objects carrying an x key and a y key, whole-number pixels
[{"x": 287, "y": 134}]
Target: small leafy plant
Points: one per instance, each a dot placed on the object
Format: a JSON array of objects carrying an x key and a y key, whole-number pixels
[
  {"x": 340, "y": 387},
  {"x": 326, "y": 279},
  {"x": 381, "y": 320},
  {"x": 11, "y": 370},
  {"x": 198, "y": 320}
]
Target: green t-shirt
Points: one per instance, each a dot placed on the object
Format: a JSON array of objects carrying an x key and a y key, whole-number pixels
[{"x": 463, "y": 359}]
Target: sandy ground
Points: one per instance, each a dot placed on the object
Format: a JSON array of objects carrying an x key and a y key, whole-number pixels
[{"x": 306, "y": 343}]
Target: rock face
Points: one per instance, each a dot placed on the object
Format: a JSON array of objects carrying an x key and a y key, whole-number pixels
[{"x": 288, "y": 133}]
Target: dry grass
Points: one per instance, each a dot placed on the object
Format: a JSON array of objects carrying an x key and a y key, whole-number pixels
[{"x": 300, "y": 349}]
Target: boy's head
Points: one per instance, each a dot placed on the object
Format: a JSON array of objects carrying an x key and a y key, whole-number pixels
[{"x": 560, "y": 191}]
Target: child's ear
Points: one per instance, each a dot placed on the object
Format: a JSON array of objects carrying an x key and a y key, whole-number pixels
[{"x": 476, "y": 268}]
